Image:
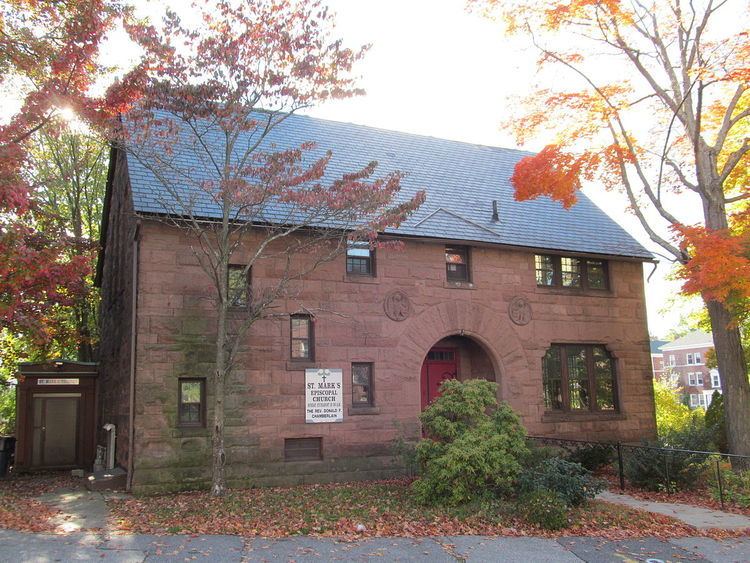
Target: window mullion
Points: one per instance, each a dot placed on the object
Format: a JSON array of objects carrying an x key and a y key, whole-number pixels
[
  {"x": 564, "y": 378},
  {"x": 591, "y": 377}
]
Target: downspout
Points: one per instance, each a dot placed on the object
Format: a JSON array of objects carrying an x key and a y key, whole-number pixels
[{"x": 133, "y": 348}]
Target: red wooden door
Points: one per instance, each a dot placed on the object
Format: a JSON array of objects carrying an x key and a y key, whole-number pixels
[{"x": 439, "y": 365}]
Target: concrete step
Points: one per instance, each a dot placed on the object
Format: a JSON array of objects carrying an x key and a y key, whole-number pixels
[{"x": 107, "y": 480}]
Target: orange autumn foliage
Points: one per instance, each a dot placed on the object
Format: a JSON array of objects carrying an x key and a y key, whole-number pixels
[{"x": 719, "y": 264}]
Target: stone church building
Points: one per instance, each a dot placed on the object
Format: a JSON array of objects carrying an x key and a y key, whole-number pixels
[{"x": 547, "y": 302}]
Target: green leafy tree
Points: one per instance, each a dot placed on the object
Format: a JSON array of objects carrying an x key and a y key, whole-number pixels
[{"x": 671, "y": 413}]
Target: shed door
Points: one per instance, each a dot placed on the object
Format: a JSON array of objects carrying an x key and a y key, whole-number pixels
[{"x": 55, "y": 440}]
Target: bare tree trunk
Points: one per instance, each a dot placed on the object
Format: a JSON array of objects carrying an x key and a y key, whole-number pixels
[
  {"x": 218, "y": 483},
  {"x": 727, "y": 340}
]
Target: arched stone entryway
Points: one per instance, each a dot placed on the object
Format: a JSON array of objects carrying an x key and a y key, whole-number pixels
[
  {"x": 454, "y": 357},
  {"x": 488, "y": 328}
]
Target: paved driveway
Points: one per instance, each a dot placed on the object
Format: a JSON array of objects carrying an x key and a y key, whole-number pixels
[{"x": 19, "y": 546}]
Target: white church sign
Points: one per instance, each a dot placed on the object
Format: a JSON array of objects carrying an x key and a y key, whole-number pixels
[{"x": 324, "y": 395}]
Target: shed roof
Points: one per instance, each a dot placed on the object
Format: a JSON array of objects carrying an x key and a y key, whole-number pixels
[{"x": 461, "y": 181}]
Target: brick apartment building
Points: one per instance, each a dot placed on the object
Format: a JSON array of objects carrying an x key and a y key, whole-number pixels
[
  {"x": 547, "y": 302},
  {"x": 657, "y": 358},
  {"x": 685, "y": 361}
]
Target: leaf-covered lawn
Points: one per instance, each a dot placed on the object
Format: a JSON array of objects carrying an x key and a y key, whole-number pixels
[{"x": 384, "y": 508}]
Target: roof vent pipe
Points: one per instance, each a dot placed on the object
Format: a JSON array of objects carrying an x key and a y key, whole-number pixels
[{"x": 495, "y": 216}]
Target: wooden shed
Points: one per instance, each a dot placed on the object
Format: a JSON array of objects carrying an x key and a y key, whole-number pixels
[{"x": 56, "y": 418}]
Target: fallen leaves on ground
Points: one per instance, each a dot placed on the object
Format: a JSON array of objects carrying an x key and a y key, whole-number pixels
[
  {"x": 19, "y": 509},
  {"x": 698, "y": 496},
  {"x": 384, "y": 508}
]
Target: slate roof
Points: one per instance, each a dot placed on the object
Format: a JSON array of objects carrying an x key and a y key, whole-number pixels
[
  {"x": 697, "y": 338},
  {"x": 656, "y": 346},
  {"x": 461, "y": 181}
]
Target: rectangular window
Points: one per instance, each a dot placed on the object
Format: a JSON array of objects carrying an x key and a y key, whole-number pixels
[
  {"x": 238, "y": 286},
  {"x": 690, "y": 359},
  {"x": 691, "y": 379},
  {"x": 457, "y": 263},
  {"x": 699, "y": 378},
  {"x": 578, "y": 377},
  {"x": 302, "y": 337},
  {"x": 672, "y": 360},
  {"x": 360, "y": 258},
  {"x": 570, "y": 272},
  {"x": 715, "y": 381},
  {"x": 702, "y": 400},
  {"x": 693, "y": 400},
  {"x": 191, "y": 402},
  {"x": 545, "y": 270},
  {"x": 362, "y": 395},
  {"x": 697, "y": 358},
  {"x": 303, "y": 449}
]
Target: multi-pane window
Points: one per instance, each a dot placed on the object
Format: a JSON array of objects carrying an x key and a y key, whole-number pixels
[
  {"x": 690, "y": 359},
  {"x": 362, "y": 385},
  {"x": 457, "y": 263},
  {"x": 302, "y": 337},
  {"x": 303, "y": 449},
  {"x": 672, "y": 360},
  {"x": 238, "y": 286},
  {"x": 360, "y": 258},
  {"x": 191, "y": 402},
  {"x": 691, "y": 379},
  {"x": 578, "y": 377},
  {"x": 567, "y": 271},
  {"x": 697, "y": 358},
  {"x": 697, "y": 400},
  {"x": 699, "y": 378},
  {"x": 715, "y": 381}
]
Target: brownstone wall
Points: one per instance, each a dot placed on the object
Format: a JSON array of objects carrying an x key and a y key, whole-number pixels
[
  {"x": 116, "y": 314},
  {"x": 265, "y": 399}
]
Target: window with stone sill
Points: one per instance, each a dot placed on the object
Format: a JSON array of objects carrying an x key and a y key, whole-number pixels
[
  {"x": 360, "y": 259},
  {"x": 238, "y": 286},
  {"x": 571, "y": 272},
  {"x": 191, "y": 409},
  {"x": 579, "y": 378},
  {"x": 302, "y": 338},
  {"x": 457, "y": 264},
  {"x": 362, "y": 395}
]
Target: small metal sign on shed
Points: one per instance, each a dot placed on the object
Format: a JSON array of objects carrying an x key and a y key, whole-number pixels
[{"x": 56, "y": 404}]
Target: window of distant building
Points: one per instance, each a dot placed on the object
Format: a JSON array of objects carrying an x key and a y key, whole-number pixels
[
  {"x": 715, "y": 380},
  {"x": 697, "y": 358}
]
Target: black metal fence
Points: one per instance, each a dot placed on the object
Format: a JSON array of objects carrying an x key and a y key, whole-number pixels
[{"x": 654, "y": 462}]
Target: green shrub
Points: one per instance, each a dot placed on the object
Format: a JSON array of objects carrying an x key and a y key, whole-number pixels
[
  {"x": 569, "y": 480},
  {"x": 472, "y": 448},
  {"x": 537, "y": 454},
  {"x": 736, "y": 487},
  {"x": 715, "y": 422},
  {"x": 593, "y": 456},
  {"x": 546, "y": 509},
  {"x": 657, "y": 471}
]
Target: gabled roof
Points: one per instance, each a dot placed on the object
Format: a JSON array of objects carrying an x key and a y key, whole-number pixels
[
  {"x": 461, "y": 181},
  {"x": 695, "y": 339}
]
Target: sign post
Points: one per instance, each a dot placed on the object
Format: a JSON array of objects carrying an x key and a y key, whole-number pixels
[{"x": 324, "y": 395}]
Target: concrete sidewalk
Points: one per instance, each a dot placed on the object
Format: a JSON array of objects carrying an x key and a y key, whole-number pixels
[
  {"x": 20, "y": 546},
  {"x": 696, "y": 516}
]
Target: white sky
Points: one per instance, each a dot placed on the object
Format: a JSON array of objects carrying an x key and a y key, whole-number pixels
[{"x": 435, "y": 69}]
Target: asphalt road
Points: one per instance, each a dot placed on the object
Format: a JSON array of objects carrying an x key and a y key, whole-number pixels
[{"x": 19, "y": 546}]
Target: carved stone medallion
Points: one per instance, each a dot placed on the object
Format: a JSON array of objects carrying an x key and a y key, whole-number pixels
[
  {"x": 397, "y": 306},
  {"x": 519, "y": 310}
]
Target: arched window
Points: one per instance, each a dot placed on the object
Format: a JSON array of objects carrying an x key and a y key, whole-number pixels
[{"x": 579, "y": 377}]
